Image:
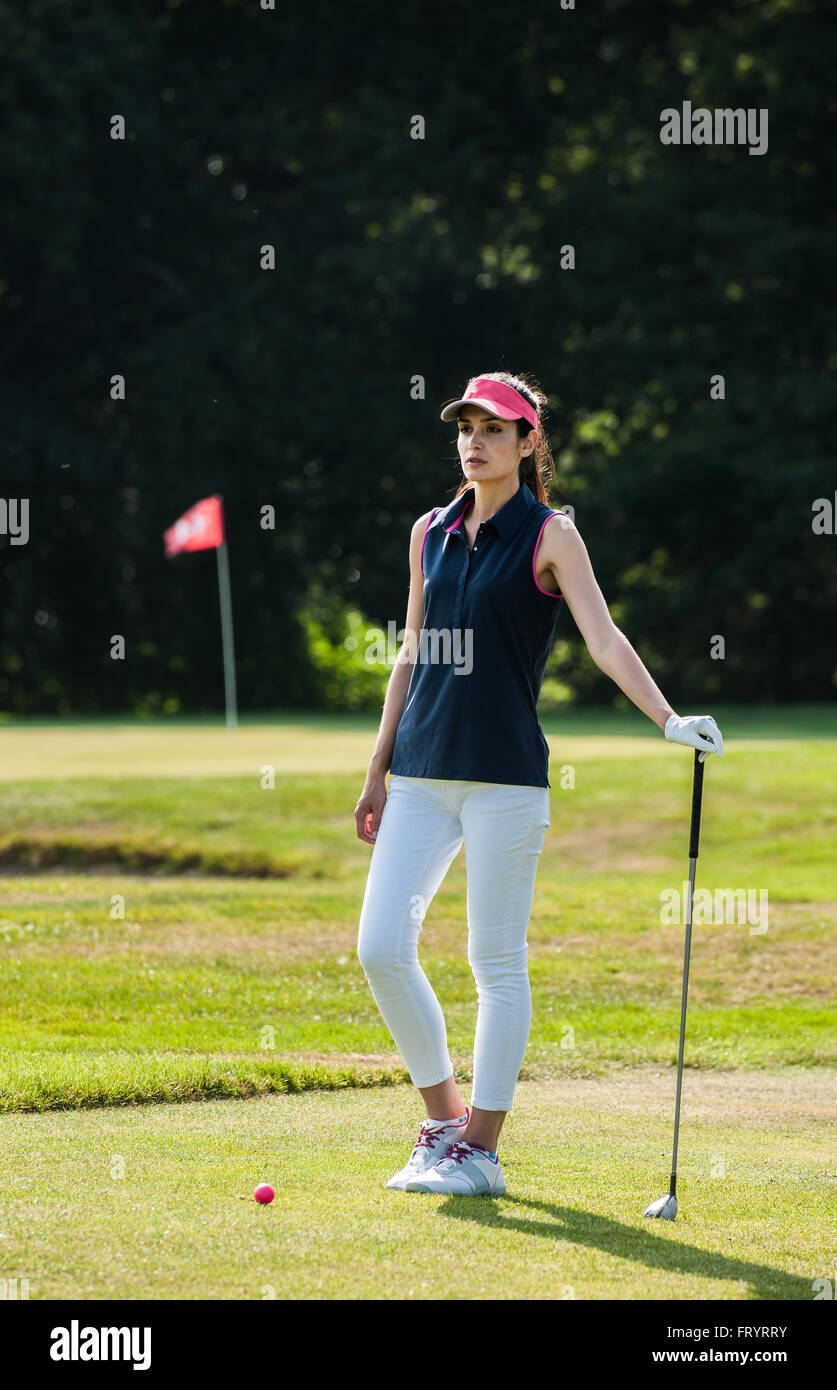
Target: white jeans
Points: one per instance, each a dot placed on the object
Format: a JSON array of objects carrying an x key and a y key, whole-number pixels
[{"x": 423, "y": 825}]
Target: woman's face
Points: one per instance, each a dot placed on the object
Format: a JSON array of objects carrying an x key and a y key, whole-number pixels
[{"x": 490, "y": 447}]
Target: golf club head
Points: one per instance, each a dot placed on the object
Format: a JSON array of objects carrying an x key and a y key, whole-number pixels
[{"x": 665, "y": 1208}]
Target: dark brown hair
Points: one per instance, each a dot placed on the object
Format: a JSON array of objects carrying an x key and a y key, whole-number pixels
[{"x": 538, "y": 468}]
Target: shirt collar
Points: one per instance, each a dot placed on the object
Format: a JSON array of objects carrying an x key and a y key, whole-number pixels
[{"x": 506, "y": 522}]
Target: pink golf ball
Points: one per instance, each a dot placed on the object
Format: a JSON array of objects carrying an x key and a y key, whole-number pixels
[{"x": 264, "y": 1193}]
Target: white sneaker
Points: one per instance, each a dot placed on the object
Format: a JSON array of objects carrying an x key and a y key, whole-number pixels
[
  {"x": 464, "y": 1170},
  {"x": 431, "y": 1145}
]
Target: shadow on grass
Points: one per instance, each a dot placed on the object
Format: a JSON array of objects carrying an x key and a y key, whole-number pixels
[{"x": 639, "y": 1243}]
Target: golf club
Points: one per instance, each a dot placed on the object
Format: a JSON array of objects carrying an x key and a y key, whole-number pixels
[{"x": 666, "y": 1207}]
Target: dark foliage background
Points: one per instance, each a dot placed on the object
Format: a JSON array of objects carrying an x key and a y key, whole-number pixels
[{"x": 396, "y": 258}]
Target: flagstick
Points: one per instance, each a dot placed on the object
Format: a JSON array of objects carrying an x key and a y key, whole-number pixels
[{"x": 227, "y": 633}]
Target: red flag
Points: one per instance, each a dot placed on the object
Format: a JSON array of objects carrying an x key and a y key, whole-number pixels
[{"x": 201, "y": 528}]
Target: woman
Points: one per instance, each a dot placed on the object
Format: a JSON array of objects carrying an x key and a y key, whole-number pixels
[{"x": 468, "y": 762}]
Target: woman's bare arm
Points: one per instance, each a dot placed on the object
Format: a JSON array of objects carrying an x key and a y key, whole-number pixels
[
  {"x": 564, "y": 554},
  {"x": 373, "y": 797}
]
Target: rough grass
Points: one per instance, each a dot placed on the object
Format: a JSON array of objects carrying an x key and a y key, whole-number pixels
[{"x": 217, "y": 981}]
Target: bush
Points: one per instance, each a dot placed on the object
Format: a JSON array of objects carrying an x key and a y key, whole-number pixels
[{"x": 345, "y": 655}]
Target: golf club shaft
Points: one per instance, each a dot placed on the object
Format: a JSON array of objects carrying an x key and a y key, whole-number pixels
[{"x": 694, "y": 836}]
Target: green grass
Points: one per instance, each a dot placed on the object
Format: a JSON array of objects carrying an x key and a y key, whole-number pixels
[
  {"x": 146, "y": 1203},
  {"x": 233, "y": 966},
  {"x": 172, "y": 930},
  {"x": 739, "y": 721}
]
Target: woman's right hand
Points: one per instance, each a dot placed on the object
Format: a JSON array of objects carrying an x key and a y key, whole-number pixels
[{"x": 370, "y": 808}]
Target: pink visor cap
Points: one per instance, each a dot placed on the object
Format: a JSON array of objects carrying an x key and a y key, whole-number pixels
[{"x": 502, "y": 401}]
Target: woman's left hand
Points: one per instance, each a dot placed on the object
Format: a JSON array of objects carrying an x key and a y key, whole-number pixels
[{"x": 696, "y": 731}]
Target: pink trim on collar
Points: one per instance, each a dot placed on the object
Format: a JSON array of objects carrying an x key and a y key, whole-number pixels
[{"x": 469, "y": 493}]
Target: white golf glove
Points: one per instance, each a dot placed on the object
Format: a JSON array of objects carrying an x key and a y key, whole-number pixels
[{"x": 696, "y": 731}]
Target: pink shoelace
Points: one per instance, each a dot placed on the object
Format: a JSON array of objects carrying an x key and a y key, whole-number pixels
[
  {"x": 460, "y": 1151},
  {"x": 427, "y": 1138}
]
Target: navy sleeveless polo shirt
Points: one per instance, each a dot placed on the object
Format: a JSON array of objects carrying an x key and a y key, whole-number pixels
[{"x": 470, "y": 713}]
